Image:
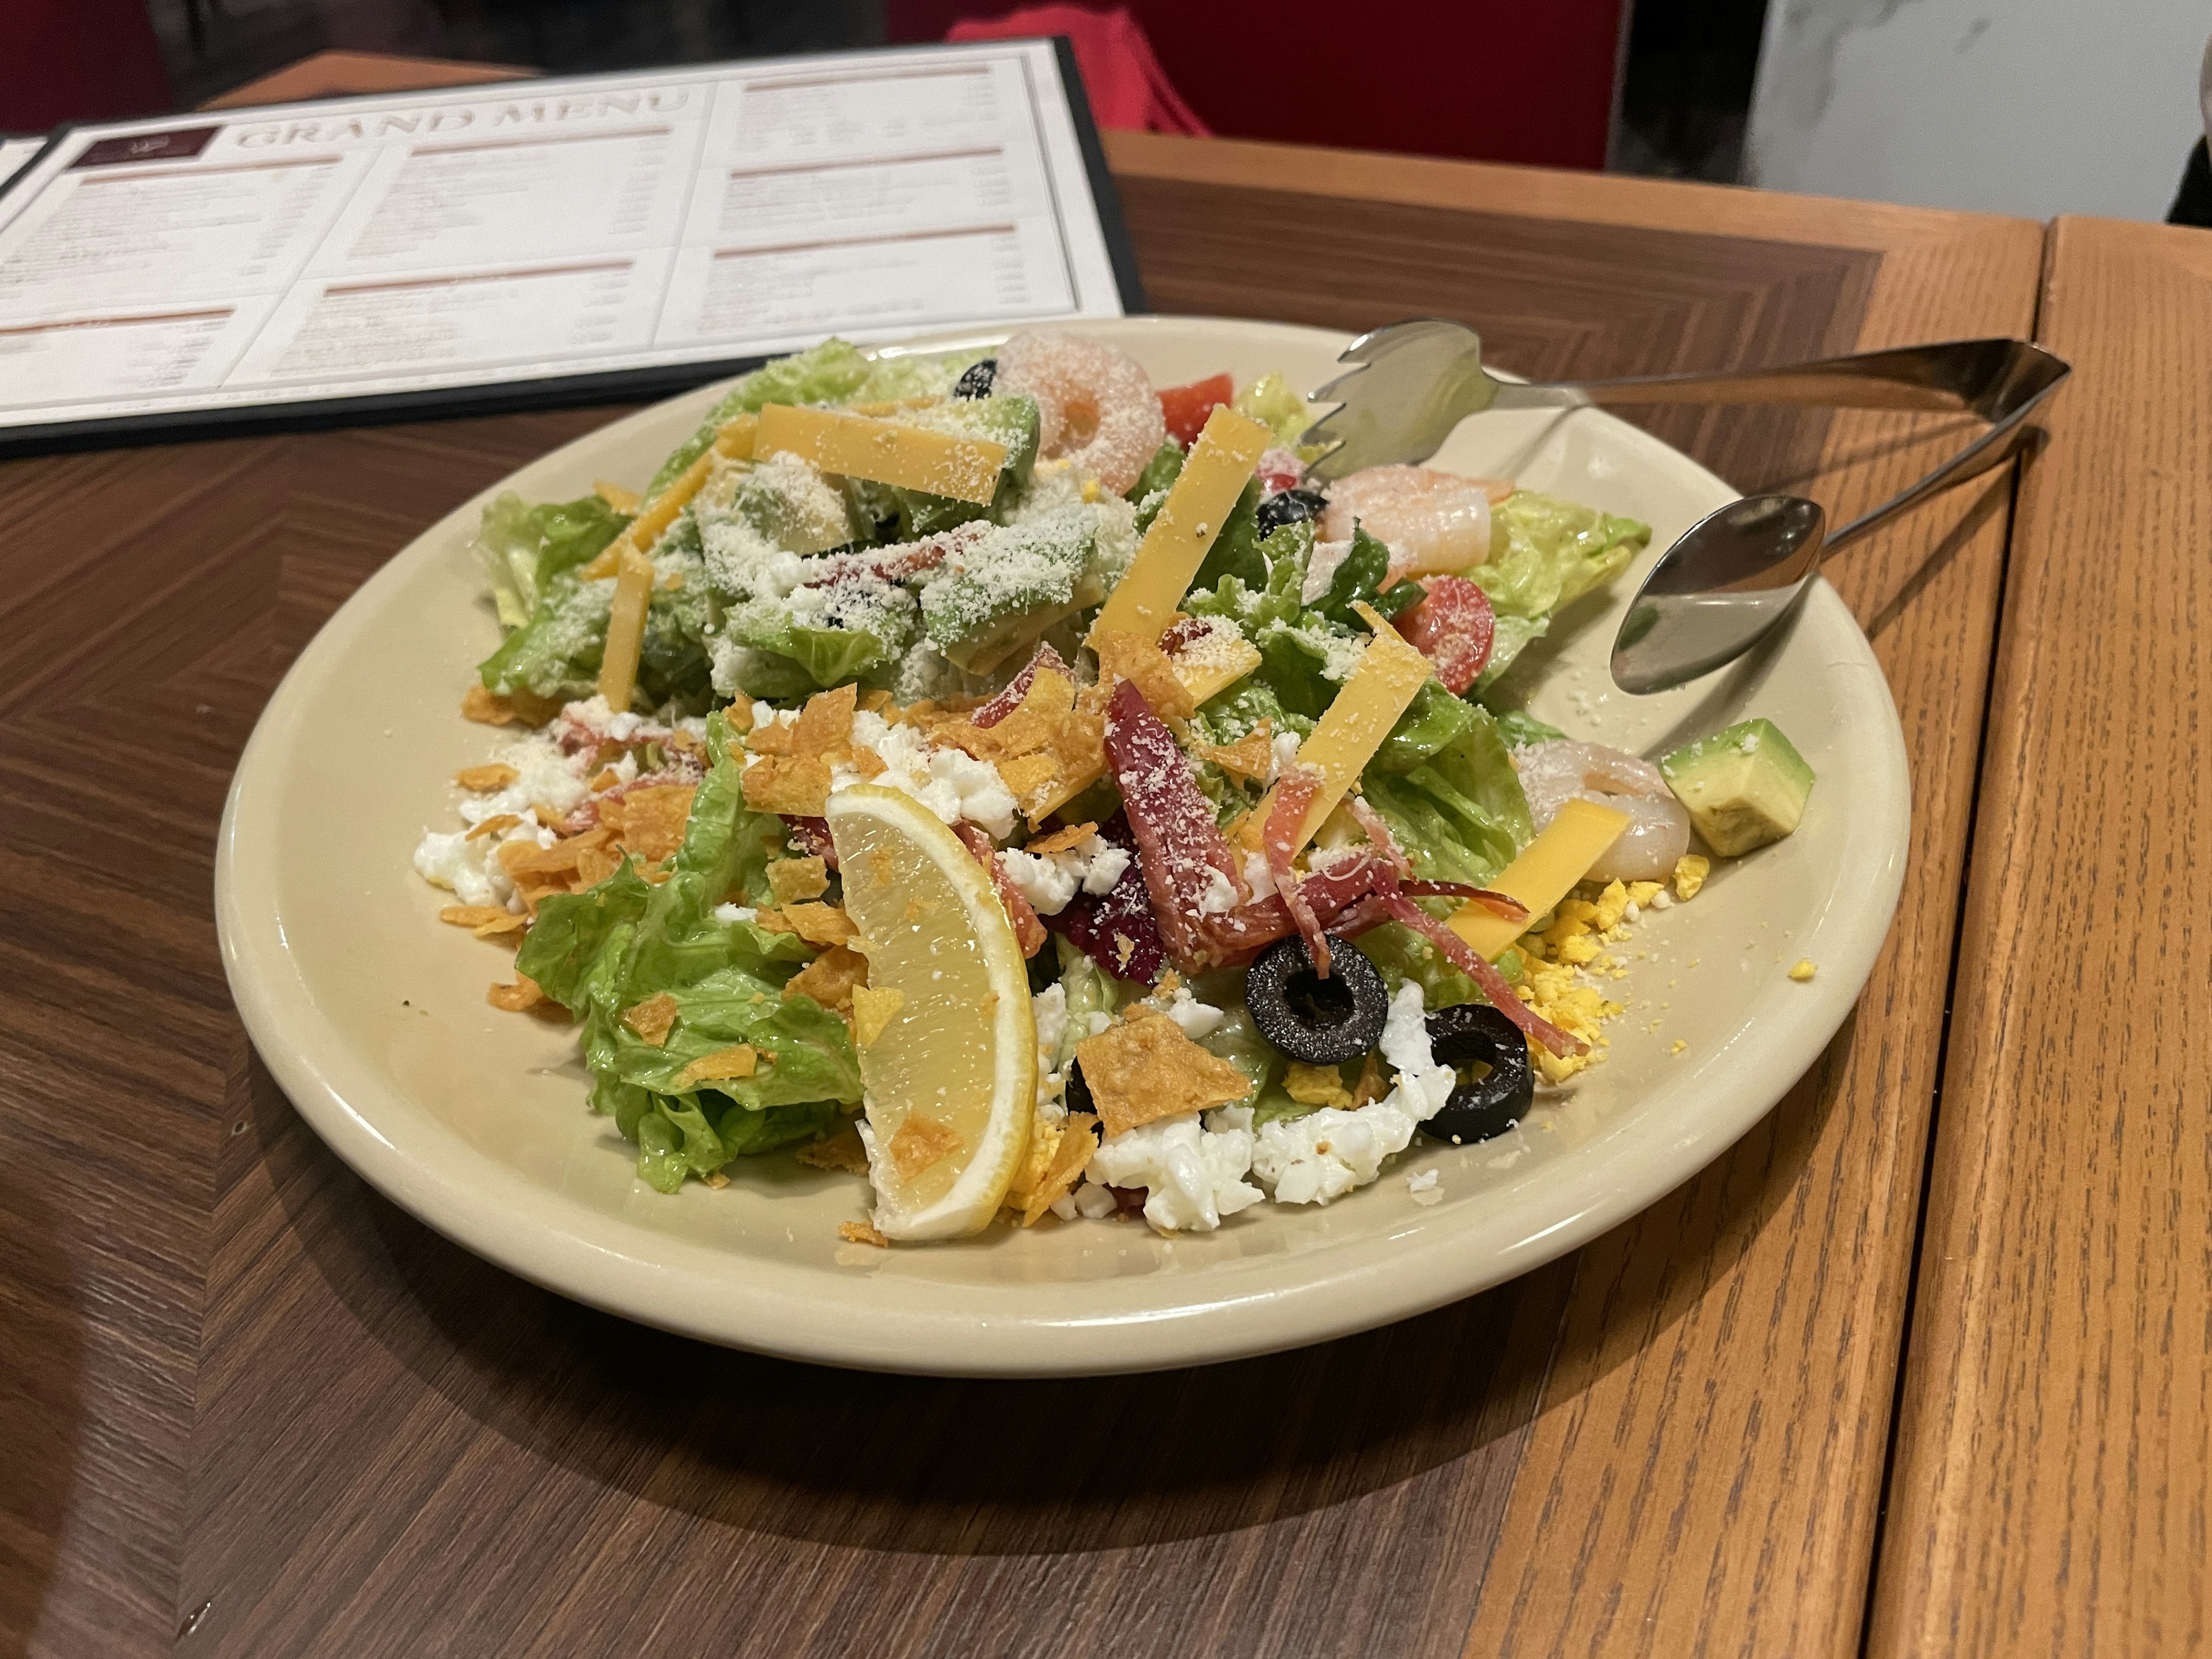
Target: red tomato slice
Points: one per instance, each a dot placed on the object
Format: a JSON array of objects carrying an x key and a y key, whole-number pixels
[
  {"x": 1453, "y": 628},
  {"x": 1185, "y": 407}
]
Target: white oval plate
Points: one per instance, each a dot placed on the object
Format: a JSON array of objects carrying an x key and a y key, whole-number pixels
[{"x": 373, "y": 1017}]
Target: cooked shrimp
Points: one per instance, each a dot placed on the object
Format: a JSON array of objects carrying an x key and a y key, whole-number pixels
[
  {"x": 1098, "y": 409},
  {"x": 1658, "y": 832},
  {"x": 1434, "y": 523}
]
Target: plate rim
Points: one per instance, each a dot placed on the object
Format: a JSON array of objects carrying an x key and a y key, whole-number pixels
[{"x": 907, "y": 1325}]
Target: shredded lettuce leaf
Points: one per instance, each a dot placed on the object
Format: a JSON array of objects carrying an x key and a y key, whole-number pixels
[
  {"x": 1546, "y": 553},
  {"x": 524, "y": 547},
  {"x": 604, "y": 950},
  {"x": 834, "y": 372},
  {"x": 1162, "y": 470},
  {"x": 1270, "y": 401},
  {"x": 1520, "y": 728}
]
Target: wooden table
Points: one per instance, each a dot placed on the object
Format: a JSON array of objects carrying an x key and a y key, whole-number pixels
[{"x": 252, "y": 1408}]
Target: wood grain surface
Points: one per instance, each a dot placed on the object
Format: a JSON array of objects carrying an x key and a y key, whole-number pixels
[
  {"x": 255, "y": 1409},
  {"x": 2056, "y": 1440}
]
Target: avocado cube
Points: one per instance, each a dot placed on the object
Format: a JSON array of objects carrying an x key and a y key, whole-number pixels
[
  {"x": 794, "y": 506},
  {"x": 1745, "y": 787},
  {"x": 1011, "y": 420},
  {"x": 996, "y": 595}
]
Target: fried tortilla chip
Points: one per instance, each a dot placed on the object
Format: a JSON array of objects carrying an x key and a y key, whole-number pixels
[
  {"x": 873, "y": 1010},
  {"x": 826, "y": 725},
  {"x": 654, "y": 1017},
  {"x": 771, "y": 738},
  {"x": 594, "y": 865},
  {"x": 492, "y": 826},
  {"x": 472, "y": 915},
  {"x": 1133, "y": 657},
  {"x": 796, "y": 786},
  {"x": 860, "y": 1232},
  {"x": 517, "y": 707},
  {"x": 1069, "y": 1159},
  {"x": 484, "y": 779},
  {"x": 920, "y": 1141},
  {"x": 1249, "y": 758},
  {"x": 741, "y": 1059},
  {"x": 1028, "y": 777},
  {"x": 653, "y": 819},
  {"x": 1370, "y": 1087},
  {"x": 820, "y": 924},
  {"x": 842, "y": 1151},
  {"x": 1034, "y": 723},
  {"x": 515, "y": 998},
  {"x": 831, "y": 979},
  {"x": 793, "y": 879},
  {"x": 1059, "y": 840},
  {"x": 1145, "y": 1068}
]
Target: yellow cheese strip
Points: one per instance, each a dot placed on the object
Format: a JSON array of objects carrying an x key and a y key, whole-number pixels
[
  {"x": 1219, "y": 466},
  {"x": 1345, "y": 737},
  {"x": 883, "y": 452},
  {"x": 734, "y": 437},
  {"x": 733, "y": 440},
  {"x": 625, "y": 627},
  {"x": 1221, "y": 667},
  {"x": 652, "y": 520},
  {"x": 614, "y": 495},
  {"x": 1545, "y": 874}
]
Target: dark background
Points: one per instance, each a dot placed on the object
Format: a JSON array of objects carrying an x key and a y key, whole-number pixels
[{"x": 1414, "y": 75}]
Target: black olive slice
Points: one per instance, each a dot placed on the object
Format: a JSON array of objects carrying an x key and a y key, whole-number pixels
[
  {"x": 1078, "y": 1093},
  {"x": 1470, "y": 1034},
  {"x": 1322, "y": 1021},
  {"x": 976, "y": 380},
  {"x": 1288, "y": 507}
]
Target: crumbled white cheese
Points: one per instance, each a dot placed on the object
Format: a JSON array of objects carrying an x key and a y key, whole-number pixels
[
  {"x": 736, "y": 913},
  {"x": 1219, "y": 897},
  {"x": 1198, "y": 1019},
  {"x": 1424, "y": 1182},
  {"x": 1258, "y": 876},
  {"x": 1325, "y": 1154},
  {"x": 1049, "y": 881},
  {"x": 1426, "y": 1087},
  {"x": 951, "y": 783},
  {"x": 1093, "y": 1202},
  {"x": 1191, "y": 1178},
  {"x": 1049, "y": 1008},
  {"x": 1283, "y": 754},
  {"x": 1321, "y": 569}
]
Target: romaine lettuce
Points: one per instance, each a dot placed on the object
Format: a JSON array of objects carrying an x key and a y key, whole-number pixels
[
  {"x": 524, "y": 547},
  {"x": 834, "y": 372},
  {"x": 1546, "y": 553},
  {"x": 606, "y": 950},
  {"x": 1270, "y": 401}
]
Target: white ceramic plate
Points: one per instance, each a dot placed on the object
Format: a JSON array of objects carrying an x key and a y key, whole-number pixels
[{"x": 372, "y": 1015}]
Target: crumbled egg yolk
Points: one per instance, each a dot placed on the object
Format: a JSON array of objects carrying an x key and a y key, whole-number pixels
[{"x": 1558, "y": 962}]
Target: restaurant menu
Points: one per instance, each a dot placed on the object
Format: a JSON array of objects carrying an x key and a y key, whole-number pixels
[{"x": 492, "y": 245}]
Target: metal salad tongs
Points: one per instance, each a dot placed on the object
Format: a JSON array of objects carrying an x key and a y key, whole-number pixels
[{"x": 1734, "y": 573}]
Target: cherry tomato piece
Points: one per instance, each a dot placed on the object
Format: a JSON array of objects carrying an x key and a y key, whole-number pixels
[
  {"x": 1185, "y": 407},
  {"x": 1453, "y": 628}
]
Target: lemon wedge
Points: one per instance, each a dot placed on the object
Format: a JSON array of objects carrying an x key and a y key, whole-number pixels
[{"x": 950, "y": 1078}]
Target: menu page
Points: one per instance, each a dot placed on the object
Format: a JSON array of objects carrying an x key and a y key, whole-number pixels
[
  {"x": 15, "y": 154},
  {"x": 422, "y": 246}
]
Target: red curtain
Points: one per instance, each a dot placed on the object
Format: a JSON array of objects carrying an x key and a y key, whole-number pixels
[
  {"x": 1494, "y": 80},
  {"x": 76, "y": 60}
]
